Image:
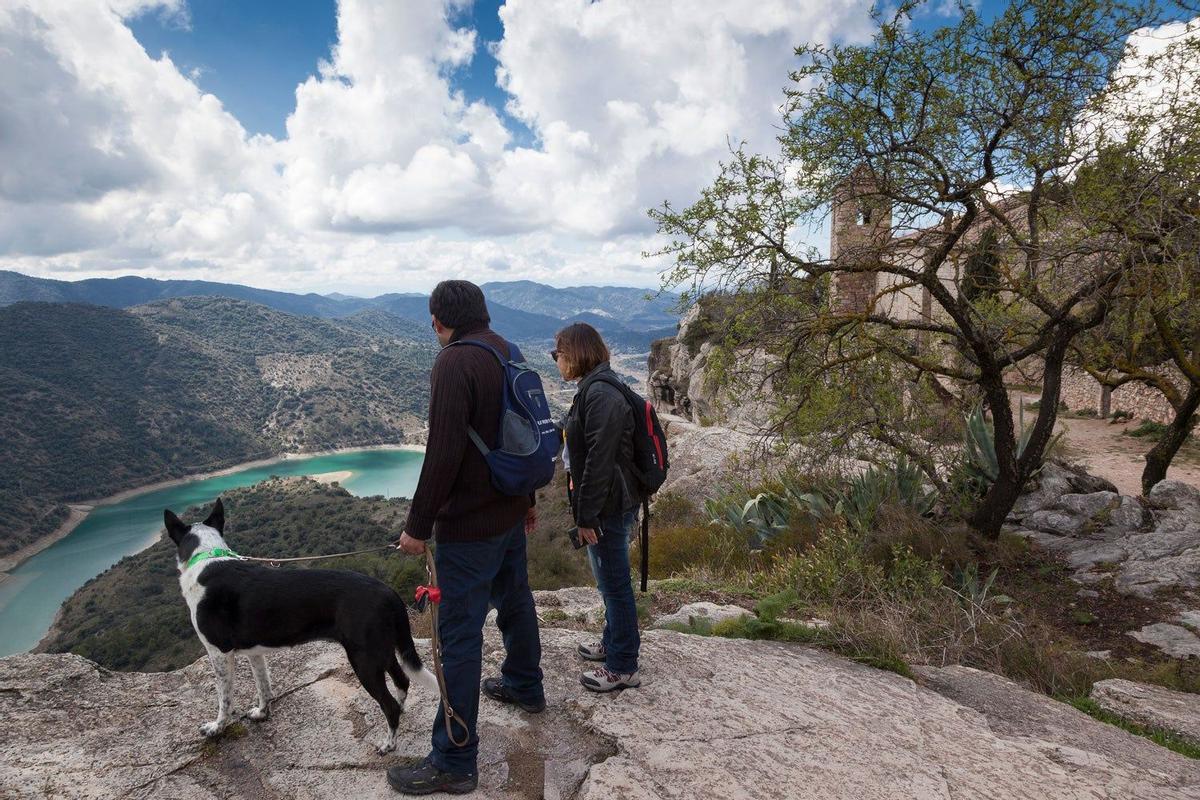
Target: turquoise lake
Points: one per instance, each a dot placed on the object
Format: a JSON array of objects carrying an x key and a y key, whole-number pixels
[{"x": 31, "y": 596}]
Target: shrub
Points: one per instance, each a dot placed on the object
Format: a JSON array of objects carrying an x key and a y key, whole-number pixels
[{"x": 1148, "y": 429}]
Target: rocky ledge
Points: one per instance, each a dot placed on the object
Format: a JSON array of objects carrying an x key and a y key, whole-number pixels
[
  {"x": 1147, "y": 547},
  {"x": 715, "y": 718}
]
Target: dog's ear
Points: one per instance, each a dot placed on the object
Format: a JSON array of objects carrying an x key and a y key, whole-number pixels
[
  {"x": 175, "y": 527},
  {"x": 217, "y": 518}
]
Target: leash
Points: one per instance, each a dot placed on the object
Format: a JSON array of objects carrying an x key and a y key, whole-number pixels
[
  {"x": 274, "y": 562},
  {"x": 431, "y": 595}
]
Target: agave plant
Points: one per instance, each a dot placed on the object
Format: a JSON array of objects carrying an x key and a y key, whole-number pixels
[
  {"x": 860, "y": 499},
  {"x": 765, "y": 515},
  {"x": 979, "y": 450}
]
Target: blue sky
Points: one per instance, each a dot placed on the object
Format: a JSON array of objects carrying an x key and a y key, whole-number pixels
[{"x": 252, "y": 54}]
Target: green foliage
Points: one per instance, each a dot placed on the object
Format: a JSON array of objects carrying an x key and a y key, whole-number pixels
[{"x": 1148, "y": 429}]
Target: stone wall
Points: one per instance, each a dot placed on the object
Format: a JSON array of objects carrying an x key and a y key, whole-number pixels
[{"x": 1080, "y": 391}]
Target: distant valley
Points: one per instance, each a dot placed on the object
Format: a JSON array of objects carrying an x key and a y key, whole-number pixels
[{"x": 111, "y": 384}]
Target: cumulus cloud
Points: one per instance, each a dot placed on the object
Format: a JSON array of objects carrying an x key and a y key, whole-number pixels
[{"x": 111, "y": 158}]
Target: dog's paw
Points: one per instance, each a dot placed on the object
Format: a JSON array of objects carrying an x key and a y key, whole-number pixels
[
  {"x": 386, "y": 745},
  {"x": 211, "y": 729},
  {"x": 258, "y": 714}
]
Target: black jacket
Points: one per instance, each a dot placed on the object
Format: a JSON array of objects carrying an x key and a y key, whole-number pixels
[{"x": 599, "y": 446}]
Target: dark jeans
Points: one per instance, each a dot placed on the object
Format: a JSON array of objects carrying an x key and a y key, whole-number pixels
[
  {"x": 472, "y": 575},
  {"x": 610, "y": 564}
]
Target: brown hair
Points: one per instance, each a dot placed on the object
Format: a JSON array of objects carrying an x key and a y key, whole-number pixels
[{"x": 583, "y": 348}]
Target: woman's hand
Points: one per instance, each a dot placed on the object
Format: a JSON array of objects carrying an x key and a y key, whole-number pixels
[
  {"x": 588, "y": 535},
  {"x": 531, "y": 520}
]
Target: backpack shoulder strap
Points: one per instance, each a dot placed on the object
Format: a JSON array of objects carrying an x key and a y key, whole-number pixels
[
  {"x": 485, "y": 346},
  {"x": 471, "y": 432}
]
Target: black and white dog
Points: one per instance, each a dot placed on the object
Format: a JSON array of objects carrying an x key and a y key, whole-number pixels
[{"x": 241, "y": 607}]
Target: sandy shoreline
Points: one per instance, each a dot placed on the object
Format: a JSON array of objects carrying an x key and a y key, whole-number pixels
[
  {"x": 79, "y": 511},
  {"x": 332, "y": 477}
]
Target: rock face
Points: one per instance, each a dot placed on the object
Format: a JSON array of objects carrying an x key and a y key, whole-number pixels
[
  {"x": 704, "y": 456},
  {"x": 680, "y": 381},
  {"x": 715, "y": 718},
  {"x": 1151, "y": 706}
]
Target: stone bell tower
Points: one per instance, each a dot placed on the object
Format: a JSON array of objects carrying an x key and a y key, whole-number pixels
[{"x": 860, "y": 226}]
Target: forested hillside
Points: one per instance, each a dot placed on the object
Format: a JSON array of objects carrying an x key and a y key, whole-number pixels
[{"x": 95, "y": 400}]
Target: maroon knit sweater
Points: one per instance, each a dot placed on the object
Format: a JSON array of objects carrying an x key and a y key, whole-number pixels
[{"x": 454, "y": 500}]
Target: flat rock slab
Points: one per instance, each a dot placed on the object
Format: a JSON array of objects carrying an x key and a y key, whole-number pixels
[
  {"x": 715, "y": 718},
  {"x": 710, "y": 612},
  {"x": 1174, "y": 640},
  {"x": 1151, "y": 706}
]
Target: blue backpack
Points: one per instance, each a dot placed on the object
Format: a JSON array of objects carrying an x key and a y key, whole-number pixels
[{"x": 522, "y": 460}]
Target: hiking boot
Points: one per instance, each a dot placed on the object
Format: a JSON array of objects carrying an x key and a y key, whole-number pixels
[
  {"x": 425, "y": 778},
  {"x": 495, "y": 689},
  {"x": 593, "y": 651},
  {"x": 601, "y": 680}
]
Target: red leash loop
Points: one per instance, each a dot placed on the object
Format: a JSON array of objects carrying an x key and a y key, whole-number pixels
[{"x": 431, "y": 593}]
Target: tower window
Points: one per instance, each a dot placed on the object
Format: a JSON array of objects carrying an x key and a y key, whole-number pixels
[{"x": 864, "y": 214}]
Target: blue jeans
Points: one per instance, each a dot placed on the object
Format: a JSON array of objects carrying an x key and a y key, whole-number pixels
[
  {"x": 610, "y": 564},
  {"x": 472, "y": 575}
]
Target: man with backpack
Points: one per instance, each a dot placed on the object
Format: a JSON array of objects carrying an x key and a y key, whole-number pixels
[{"x": 475, "y": 497}]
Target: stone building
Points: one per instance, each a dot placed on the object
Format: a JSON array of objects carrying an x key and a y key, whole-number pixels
[{"x": 861, "y": 232}]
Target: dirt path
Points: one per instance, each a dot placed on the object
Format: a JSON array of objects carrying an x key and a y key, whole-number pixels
[{"x": 1101, "y": 446}]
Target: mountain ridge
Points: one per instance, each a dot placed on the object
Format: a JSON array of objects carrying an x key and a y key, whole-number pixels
[{"x": 525, "y": 311}]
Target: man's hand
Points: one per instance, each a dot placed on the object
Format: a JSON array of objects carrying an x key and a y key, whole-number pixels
[
  {"x": 531, "y": 520},
  {"x": 588, "y": 535},
  {"x": 407, "y": 544}
]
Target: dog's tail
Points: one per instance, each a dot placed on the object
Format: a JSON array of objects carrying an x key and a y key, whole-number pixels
[{"x": 410, "y": 659}]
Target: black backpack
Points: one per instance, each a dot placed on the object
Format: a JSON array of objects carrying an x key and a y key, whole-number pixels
[{"x": 650, "y": 459}]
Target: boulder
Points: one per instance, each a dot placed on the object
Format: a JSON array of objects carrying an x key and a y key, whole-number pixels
[
  {"x": 1151, "y": 706},
  {"x": 1175, "y": 495},
  {"x": 709, "y": 612},
  {"x": 1059, "y": 523},
  {"x": 715, "y": 718},
  {"x": 1090, "y": 505},
  {"x": 1052, "y": 483},
  {"x": 1130, "y": 515}
]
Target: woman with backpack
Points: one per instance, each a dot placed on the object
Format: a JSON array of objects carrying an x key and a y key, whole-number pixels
[{"x": 604, "y": 497}]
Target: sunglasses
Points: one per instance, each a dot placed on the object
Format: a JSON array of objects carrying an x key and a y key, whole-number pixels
[{"x": 554, "y": 355}]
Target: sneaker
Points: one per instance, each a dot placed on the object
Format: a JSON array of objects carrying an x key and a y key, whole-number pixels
[
  {"x": 495, "y": 689},
  {"x": 593, "y": 651},
  {"x": 601, "y": 680},
  {"x": 425, "y": 778}
]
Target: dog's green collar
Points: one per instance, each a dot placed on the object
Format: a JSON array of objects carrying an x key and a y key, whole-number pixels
[{"x": 204, "y": 555}]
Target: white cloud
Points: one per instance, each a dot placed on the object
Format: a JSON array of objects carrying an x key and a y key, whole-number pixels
[{"x": 113, "y": 160}]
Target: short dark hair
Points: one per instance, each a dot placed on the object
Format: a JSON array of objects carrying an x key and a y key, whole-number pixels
[
  {"x": 583, "y": 347},
  {"x": 457, "y": 304}
]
